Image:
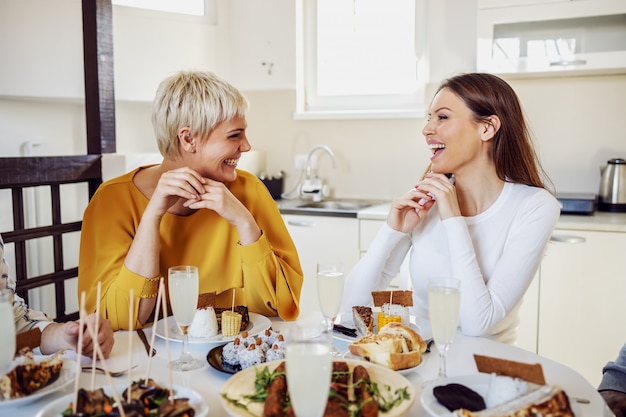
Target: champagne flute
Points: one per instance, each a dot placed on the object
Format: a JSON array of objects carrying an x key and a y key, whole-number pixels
[
  {"x": 330, "y": 282},
  {"x": 7, "y": 329},
  {"x": 183, "y": 287},
  {"x": 444, "y": 298},
  {"x": 308, "y": 367}
]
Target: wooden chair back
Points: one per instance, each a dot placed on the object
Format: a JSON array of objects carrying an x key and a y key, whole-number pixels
[{"x": 59, "y": 179}]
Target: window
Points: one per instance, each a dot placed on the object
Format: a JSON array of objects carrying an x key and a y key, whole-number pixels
[
  {"x": 360, "y": 58},
  {"x": 192, "y": 7}
]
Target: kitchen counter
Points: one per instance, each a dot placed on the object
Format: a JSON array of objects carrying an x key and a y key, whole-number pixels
[
  {"x": 599, "y": 221},
  {"x": 334, "y": 208}
]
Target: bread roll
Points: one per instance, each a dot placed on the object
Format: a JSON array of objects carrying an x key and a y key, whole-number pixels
[
  {"x": 396, "y": 347},
  {"x": 413, "y": 339}
]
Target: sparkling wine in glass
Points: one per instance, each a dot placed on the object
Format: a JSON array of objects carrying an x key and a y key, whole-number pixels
[
  {"x": 308, "y": 368},
  {"x": 330, "y": 281},
  {"x": 7, "y": 330},
  {"x": 183, "y": 287},
  {"x": 444, "y": 298}
]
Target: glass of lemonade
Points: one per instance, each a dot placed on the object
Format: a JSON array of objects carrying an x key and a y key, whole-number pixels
[
  {"x": 7, "y": 329},
  {"x": 183, "y": 287},
  {"x": 308, "y": 367},
  {"x": 444, "y": 299},
  {"x": 330, "y": 282}
]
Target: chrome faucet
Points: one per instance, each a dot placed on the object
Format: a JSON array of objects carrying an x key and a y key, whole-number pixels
[{"x": 313, "y": 186}]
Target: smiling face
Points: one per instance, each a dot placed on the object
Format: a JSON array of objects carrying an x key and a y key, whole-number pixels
[
  {"x": 218, "y": 154},
  {"x": 453, "y": 135}
]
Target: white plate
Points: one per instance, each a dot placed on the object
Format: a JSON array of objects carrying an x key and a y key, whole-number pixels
[
  {"x": 478, "y": 382},
  {"x": 348, "y": 322},
  {"x": 55, "y": 408},
  {"x": 258, "y": 324},
  {"x": 66, "y": 377},
  {"x": 242, "y": 383},
  {"x": 349, "y": 355}
]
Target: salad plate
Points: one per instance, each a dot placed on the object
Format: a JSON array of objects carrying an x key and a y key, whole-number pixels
[{"x": 241, "y": 384}]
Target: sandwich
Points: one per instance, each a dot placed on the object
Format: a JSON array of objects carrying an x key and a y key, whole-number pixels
[{"x": 396, "y": 346}]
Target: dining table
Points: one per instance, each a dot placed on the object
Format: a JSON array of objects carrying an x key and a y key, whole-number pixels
[{"x": 208, "y": 381}]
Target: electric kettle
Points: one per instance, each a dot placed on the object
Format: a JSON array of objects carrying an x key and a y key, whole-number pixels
[{"x": 613, "y": 186}]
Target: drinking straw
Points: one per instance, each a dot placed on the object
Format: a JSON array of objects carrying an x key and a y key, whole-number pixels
[
  {"x": 390, "y": 298},
  {"x": 167, "y": 343},
  {"x": 103, "y": 362},
  {"x": 232, "y": 307},
  {"x": 154, "y": 323},
  {"x": 131, "y": 303},
  {"x": 93, "y": 359},
  {"x": 79, "y": 349}
]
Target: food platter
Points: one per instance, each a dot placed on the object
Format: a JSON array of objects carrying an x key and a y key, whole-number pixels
[
  {"x": 242, "y": 384},
  {"x": 214, "y": 357},
  {"x": 56, "y": 407},
  {"x": 477, "y": 382},
  {"x": 258, "y": 324},
  {"x": 66, "y": 377}
]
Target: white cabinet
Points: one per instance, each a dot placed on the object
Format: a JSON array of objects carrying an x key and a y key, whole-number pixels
[
  {"x": 526, "y": 37},
  {"x": 529, "y": 317},
  {"x": 582, "y": 293},
  {"x": 320, "y": 238}
]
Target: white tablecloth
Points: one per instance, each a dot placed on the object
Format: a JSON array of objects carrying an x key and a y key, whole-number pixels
[{"x": 208, "y": 381}]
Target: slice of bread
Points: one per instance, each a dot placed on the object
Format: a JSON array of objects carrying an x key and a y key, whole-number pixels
[
  {"x": 363, "y": 319},
  {"x": 396, "y": 347},
  {"x": 401, "y": 297}
]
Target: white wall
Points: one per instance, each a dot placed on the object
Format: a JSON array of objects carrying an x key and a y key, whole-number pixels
[{"x": 578, "y": 121}]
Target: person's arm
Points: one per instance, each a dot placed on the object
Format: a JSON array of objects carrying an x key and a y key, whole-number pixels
[
  {"x": 613, "y": 384},
  {"x": 272, "y": 273},
  {"x": 59, "y": 336},
  {"x": 486, "y": 301},
  {"x": 376, "y": 268},
  {"x": 107, "y": 234}
]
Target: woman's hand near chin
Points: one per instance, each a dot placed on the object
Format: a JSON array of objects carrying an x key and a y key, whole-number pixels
[
  {"x": 408, "y": 210},
  {"x": 217, "y": 197}
]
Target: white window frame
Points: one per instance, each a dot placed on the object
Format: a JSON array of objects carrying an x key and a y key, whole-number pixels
[{"x": 310, "y": 106}]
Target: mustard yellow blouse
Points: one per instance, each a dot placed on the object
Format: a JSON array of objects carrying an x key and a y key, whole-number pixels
[{"x": 266, "y": 275}]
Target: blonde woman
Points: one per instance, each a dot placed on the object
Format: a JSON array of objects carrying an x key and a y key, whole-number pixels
[{"x": 194, "y": 208}]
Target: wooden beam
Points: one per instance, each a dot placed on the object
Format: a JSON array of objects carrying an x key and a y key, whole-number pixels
[{"x": 99, "y": 76}]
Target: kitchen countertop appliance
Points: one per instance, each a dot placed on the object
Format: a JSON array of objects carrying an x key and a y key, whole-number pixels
[
  {"x": 577, "y": 203},
  {"x": 612, "y": 195}
]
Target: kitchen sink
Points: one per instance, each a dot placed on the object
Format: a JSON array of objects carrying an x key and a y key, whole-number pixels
[
  {"x": 334, "y": 205},
  {"x": 338, "y": 207}
]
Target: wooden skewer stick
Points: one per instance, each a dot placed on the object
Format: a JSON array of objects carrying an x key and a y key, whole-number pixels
[
  {"x": 79, "y": 350},
  {"x": 167, "y": 343},
  {"x": 131, "y": 304},
  {"x": 103, "y": 361},
  {"x": 232, "y": 304},
  {"x": 154, "y": 323},
  {"x": 93, "y": 359}
]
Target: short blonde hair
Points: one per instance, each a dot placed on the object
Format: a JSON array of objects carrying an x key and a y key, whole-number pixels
[{"x": 199, "y": 100}]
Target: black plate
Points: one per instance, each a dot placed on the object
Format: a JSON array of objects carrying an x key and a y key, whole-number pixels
[{"x": 214, "y": 357}]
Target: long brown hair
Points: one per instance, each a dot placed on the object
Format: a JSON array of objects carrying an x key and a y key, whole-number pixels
[{"x": 513, "y": 152}]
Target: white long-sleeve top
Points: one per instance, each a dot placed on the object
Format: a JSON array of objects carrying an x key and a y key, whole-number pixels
[{"x": 495, "y": 255}]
